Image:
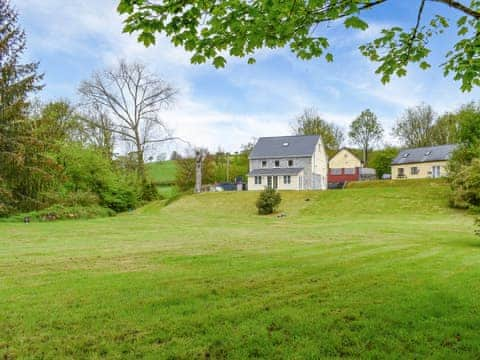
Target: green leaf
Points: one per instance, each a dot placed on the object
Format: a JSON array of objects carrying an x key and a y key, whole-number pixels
[
  {"x": 424, "y": 65},
  {"x": 251, "y": 61},
  {"x": 462, "y": 21},
  {"x": 463, "y": 30},
  {"x": 198, "y": 59},
  {"x": 125, "y": 7},
  {"x": 355, "y": 22},
  {"x": 146, "y": 38},
  {"x": 219, "y": 62},
  {"x": 329, "y": 57}
]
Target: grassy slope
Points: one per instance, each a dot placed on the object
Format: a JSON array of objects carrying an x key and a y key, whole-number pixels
[{"x": 369, "y": 272}]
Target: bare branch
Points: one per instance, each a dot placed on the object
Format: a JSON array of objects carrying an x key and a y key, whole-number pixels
[{"x": 133, "y": 97}]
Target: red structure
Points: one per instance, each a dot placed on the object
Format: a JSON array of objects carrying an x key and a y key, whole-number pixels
[{"x": 342, "y": 175}]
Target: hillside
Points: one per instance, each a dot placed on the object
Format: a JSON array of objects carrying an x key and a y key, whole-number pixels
[{"x": 363, "y": 272}]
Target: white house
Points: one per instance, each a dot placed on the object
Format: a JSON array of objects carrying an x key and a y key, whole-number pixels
[{"x": 288, "y": 163}]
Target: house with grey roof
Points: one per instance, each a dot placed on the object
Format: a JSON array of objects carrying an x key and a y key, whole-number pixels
[
  {"x": 424, "y": 162},
  {"x": 288, "y": 163}
]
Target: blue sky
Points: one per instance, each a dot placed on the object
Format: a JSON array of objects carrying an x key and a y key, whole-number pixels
[{"x": 226, "y": 108}]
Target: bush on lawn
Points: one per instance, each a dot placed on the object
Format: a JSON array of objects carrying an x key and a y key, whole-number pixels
[{"x": 268, "y": 201}]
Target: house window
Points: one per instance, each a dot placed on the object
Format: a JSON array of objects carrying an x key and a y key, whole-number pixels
[
  {"x": 349, "y": 171},
  {"x": 287, "y": 179},
  {"x": 264, "y": 163},
  {"x": 277, "y": 163},
  {"x": 290, "y": 163},
  {"x": 258, "y": 180},
  {"x": 401, "y": 172},
  {"x": 336, "y": 171},
  {"x": 414, "y": 170}
]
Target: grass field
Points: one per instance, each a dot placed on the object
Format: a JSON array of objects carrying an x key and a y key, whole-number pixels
[
  {"x": 375, "y": 272},
  {"x": 162, "y": 172}
]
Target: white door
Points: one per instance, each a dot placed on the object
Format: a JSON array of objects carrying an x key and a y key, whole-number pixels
[{"x": 435, "y": 172}]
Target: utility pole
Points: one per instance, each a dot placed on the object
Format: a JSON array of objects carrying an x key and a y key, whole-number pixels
[
  {"x": 198, "y": 171},
  {"x": 228, "y": 167}
]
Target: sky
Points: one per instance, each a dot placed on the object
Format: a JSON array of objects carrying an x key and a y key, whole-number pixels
[{"x": 225, "y": 108}]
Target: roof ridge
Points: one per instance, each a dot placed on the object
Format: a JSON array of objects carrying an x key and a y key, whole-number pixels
[
  {"x": 427, "y": 147},
  {"x": 283, "y": 136}
]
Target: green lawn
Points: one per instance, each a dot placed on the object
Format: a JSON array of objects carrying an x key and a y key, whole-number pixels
[
  {"x": 162, "y": 172},
  {"x": 369, "y": 272}
]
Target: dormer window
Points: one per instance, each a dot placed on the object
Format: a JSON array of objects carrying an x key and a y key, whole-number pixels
[
  {"x": 405, "y": 155},
  {"x": 428, "y": 153},
  {"x": 277, "y": 163},
  {"x": 264, "y": 163},
  {"x": 285, "y": 144}
]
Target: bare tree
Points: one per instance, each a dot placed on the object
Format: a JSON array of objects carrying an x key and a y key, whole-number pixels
[
  {"x": 97, "y": 128},
  {"x": 416, "y": 126},
  {"x": 133, "y": 98}
]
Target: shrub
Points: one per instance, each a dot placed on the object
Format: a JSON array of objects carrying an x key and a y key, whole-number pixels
[
  {"x": 268, "y": 201},
  {"x": 88, "y": 170},
  {"x": 150, "y": 192},
  {"x": 466, "y": 186},
  {"x": 381, "y": 160},
  {"x": 60, "y": 212}
]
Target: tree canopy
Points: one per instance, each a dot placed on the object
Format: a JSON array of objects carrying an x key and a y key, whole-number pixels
[
  {"x": 310, "y": 123},
  {"x": 365, "y": 130},
  {"x": 214, "y": 29}
]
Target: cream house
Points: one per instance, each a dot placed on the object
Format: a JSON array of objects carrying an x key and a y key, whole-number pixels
[
  {"x": 420, "y": 163},
  {"x": 344, "y": 159},
  {"x": 288, "y": 163}
]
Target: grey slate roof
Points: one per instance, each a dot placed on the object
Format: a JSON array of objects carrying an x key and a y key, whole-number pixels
[
  {"x": 273, "y": 147},
  {"x": 275, "y": 171},
  {"x": 424, "y": 154}
]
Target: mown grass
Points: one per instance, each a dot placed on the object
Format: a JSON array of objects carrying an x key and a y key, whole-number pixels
[{"x": 374, "y": 272}]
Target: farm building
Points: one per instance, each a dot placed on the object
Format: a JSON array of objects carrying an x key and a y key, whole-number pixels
[
  {"x": 345, "y": 166},
  {"x": 424, "y": 162},
  {"x": 288, "y": 163}
]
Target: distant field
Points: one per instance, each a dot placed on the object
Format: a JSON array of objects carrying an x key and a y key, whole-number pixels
[
  {"x": 163, "y": 173},
  {"x": 371, "y": 272}
]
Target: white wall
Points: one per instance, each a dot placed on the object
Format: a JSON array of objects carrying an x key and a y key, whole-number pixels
[
  {"x": 320, "y": 165},
  {"x": 294, "y": 183}
]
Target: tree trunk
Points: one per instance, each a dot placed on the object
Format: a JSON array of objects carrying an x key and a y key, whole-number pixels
[{"x": 140, "y": 162}]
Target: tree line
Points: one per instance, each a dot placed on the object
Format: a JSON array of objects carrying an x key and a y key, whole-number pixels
[
  {"x": 418, "y": 126},
  {"x": 72, "y": 159}
]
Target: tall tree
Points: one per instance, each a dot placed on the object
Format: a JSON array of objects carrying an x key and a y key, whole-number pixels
[
  {"x": 365, "y": 131},
  {"x": 310, "y": 123},
  {"x": 25, "y": 168},
  {"x": 210, "y": 28},
  {"x": 133, "y": 97},
  {"x": 445, "y": 130},
  {"x": 415, "y": 126}
]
